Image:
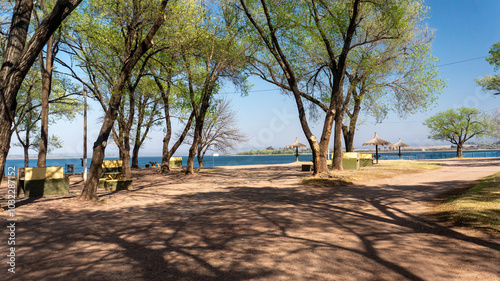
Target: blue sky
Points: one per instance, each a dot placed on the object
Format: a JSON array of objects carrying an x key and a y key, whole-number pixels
[{"x": 464, "y": 30}]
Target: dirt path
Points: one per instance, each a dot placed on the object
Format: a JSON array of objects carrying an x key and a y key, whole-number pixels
[{"x": 254, "y": 223}]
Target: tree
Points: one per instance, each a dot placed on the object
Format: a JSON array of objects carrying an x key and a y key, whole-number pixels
[
  {"x": 28, "y": 112},
  {"x": 218, "y": 55},
  {"x": 46, "y": 64},
  {"x": 136, "y": 46},
  {"x": 18, "y": 58},
  {"x": 492, "y": 82},
  {"x": 398, "y": 75},
  {"x": 460, "y": 125},
  {"x": 148, "y": 107},
  {"x": 220, "y": 131},
  {"x": 305, "y": 46}
]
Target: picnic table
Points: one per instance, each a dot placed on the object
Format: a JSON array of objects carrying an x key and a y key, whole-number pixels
[{"x": 112, "y": 169}]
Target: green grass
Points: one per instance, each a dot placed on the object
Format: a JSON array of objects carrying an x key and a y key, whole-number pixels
[
  {"x": 477, "y": 206},
  {"x": 385, "y": 169}
]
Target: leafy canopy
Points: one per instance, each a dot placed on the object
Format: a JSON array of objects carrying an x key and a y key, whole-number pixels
[
  {"x": 492, "y": 82},
  {"x": 460, "y": 125}
]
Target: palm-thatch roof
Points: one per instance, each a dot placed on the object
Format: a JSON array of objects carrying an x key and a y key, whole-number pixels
[
  {"x": 377, "y": 141},
  {"x": 398, "y": 144},
  {"x": 296, "y": 144}
]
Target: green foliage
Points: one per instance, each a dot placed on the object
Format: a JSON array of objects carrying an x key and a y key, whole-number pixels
[
  {"x": 492, "y": 82},
  {"x": 54, "y": 143},
  {"x": 494, "y": 58},
  {"x": 459, "y": 125}
]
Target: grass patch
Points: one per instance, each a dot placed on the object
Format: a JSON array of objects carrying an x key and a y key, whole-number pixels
[
  {"x": 385, "y": 169},
  {"x": 477, "y": 206}
]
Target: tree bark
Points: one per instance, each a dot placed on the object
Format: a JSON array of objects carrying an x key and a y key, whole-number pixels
[
  {"x": 200, "y": 161},
  {"x": 135, "y": 156},
  {"x": 196, "y": 140},
  {"x": 337, "y": 142},
  {"x": 460, "y": 146},
  {"x": 348, "y": 138},
  {"x": 46, "y": 71},
  {"x": 200, "y": 117},
  {"x": 19, "y": 58}
]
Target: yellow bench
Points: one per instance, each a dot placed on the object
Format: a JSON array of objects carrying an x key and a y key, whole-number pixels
[
  {"x": 38, "y": 182},
  {"x": 365, "y": 160},
  {"x": 175, "y": 162}
]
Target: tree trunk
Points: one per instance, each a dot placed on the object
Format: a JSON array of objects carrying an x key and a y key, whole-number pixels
[
  {"x": 90, "y": 189},
  {"x": 200, "y": 161},
  {"x": 127, "y": 172},
  {"x": 194, "y": 146},
  {"x": 135, "y": 156},
  {"x": 5, "y": 136},
  {"x": 8, "y": 91},
  {"x": 46, "y": 71},
  {"x": 348, "y": 138},
  {"x": 165, "y": 157},
  {"x": 459, "y": 150},
  {"x": 337, "y": 142}
]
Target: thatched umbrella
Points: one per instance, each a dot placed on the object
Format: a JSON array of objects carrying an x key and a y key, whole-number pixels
[
  {"x": 376, "y": 141},
  {"x": 399, "y": 144},
  {"x": 296, "y": 144}
]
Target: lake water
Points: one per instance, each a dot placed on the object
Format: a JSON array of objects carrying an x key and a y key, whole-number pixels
[{"x": 255, "y": 160}]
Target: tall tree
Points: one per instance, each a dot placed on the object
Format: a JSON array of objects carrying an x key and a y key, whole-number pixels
[
  {"x": 46, "y": 69},
  {"x": 19, "y": 57},
  {"x": 218, "y": 54},
  {"x": 136, "y": 45},
  {"x": 308, "y": 42},
  {"x": 148, "y": 107},
  {"x": 169, "y": 75},
  {"x": 460, "y": 125}
]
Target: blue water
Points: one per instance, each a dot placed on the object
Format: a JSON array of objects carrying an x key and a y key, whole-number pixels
[{"x": 254, "y": 160}]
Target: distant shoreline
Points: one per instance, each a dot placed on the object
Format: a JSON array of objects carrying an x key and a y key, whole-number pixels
[{"x": 20, "y": 157}]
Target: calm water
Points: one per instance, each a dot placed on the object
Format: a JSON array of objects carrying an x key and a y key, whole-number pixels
[{"x": 254, "y": 160}]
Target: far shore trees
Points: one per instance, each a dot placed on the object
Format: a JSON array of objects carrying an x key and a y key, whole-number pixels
[
  {"x": 460, "y": 125},
  {"x": 18, "y": 58}
]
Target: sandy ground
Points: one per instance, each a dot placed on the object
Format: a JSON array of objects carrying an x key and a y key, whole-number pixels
[{"x": 253, "y": 223}]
